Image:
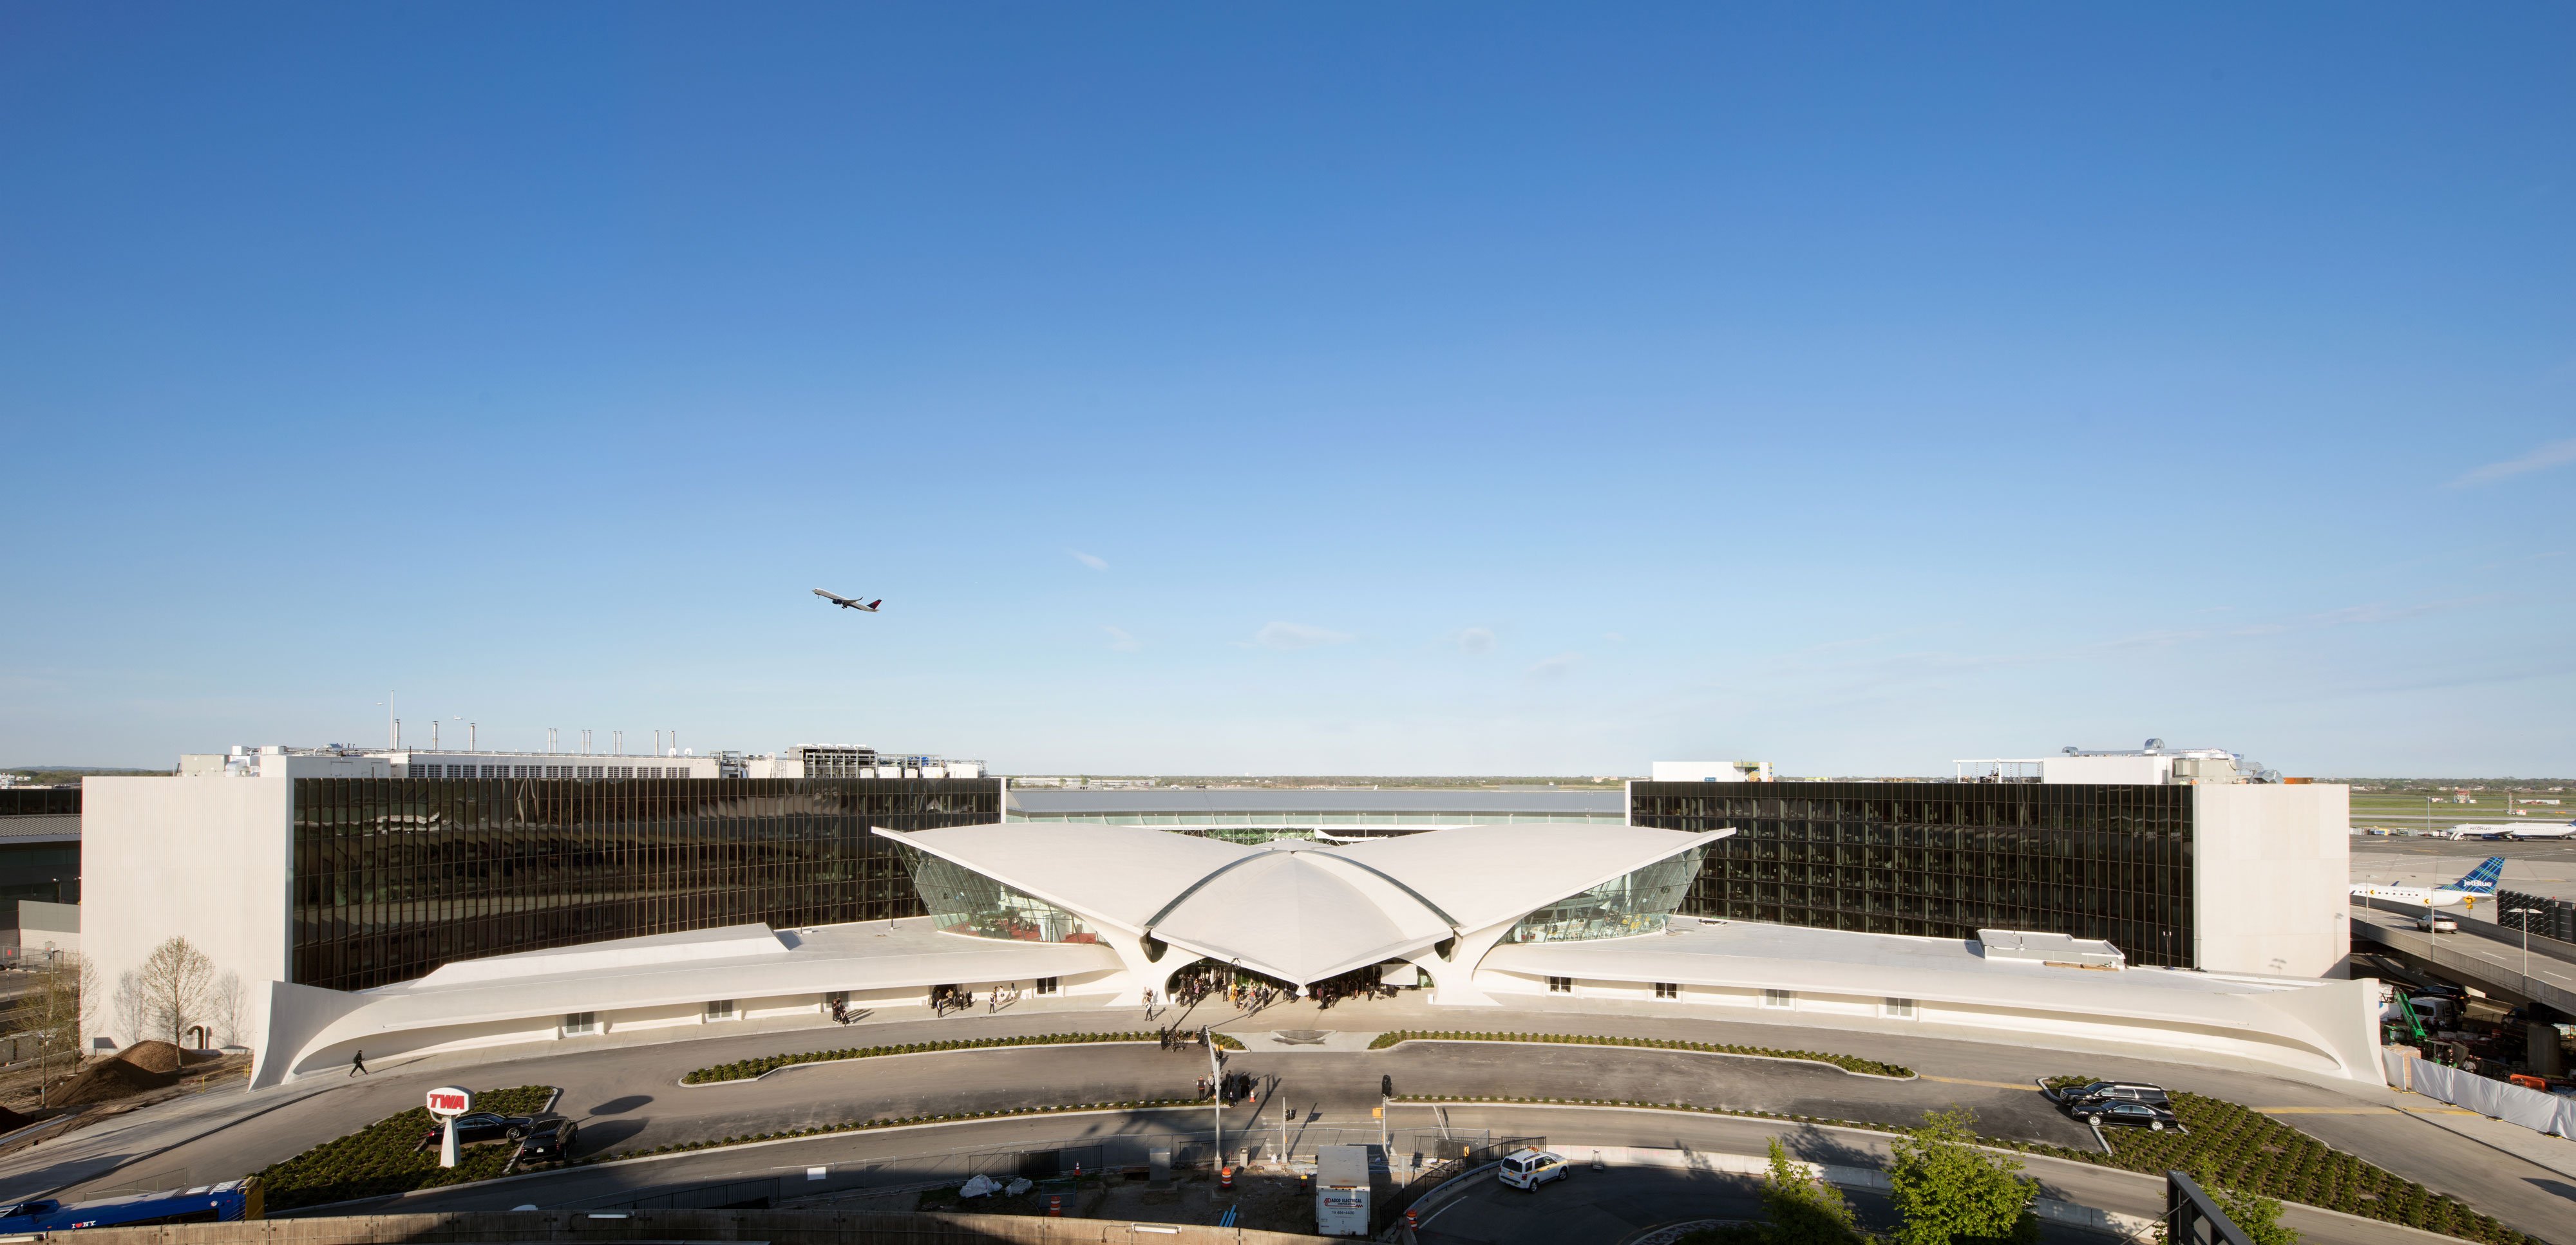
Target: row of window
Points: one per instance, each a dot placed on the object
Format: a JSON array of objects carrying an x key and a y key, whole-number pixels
[
  {"x": 393, "y": 878},
  {"x": 548, "y": 771},
  {"x": 1898, "y": 1009}
]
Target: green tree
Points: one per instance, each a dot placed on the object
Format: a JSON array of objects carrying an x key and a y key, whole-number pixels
[
  {"x": 1950, "y": 1192},
  {"x": 1803, "y": 1209},
  {"x": 2257, "y": 1215}
]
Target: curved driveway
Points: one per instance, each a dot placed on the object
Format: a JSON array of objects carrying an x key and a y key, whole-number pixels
[{"x": 628, "y": 1096}]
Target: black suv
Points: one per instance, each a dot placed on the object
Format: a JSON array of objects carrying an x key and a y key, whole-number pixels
[
  {"x": 2149, "y": 1115},
  {"x": 2116, "y": 1091},
  {"x": 477, "y": 1127},
  {"x": 549, "y": 1140}
]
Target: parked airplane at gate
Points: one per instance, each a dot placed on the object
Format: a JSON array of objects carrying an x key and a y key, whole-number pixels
[
  {"x": 2511, "y": 830},
  {"x": 2478, "y": 883}
]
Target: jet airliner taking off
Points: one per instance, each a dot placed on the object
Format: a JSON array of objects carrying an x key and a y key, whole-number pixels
[
  {"x": 850, "y": 603},
  {"x": 2478, "y": 883}
]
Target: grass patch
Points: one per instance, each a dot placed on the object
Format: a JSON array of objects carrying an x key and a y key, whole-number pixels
[
  {"x": 378, "y": 1160},
  {"x": 1848, "y": 1063},
  {"x": 747, "y": 1069}
]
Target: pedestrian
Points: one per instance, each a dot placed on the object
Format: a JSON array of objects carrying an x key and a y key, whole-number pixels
[{"x": 357, "y": 1063}]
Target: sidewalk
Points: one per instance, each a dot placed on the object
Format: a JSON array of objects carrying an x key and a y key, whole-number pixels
[{"x": 2558, "y": 1154}]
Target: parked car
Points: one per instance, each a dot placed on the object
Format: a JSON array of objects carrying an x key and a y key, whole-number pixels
[
  {"x": 2146, "y": 1115},
  {"x": 1528, "y": 1169},
  {"x": 549, "y": 1140},
  {"x": 2121, "y": 1091},
  {"x": 477, "y": 1127}
]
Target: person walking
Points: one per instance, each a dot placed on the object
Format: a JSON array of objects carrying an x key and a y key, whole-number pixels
[{"x": 357, "y": 1063}]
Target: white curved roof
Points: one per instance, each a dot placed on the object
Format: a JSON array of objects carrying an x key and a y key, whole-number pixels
[{"x": 1296, "y": 910}]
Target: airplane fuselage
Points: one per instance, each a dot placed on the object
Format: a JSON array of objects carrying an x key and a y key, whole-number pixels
[{"x": 2420, "y": 896}]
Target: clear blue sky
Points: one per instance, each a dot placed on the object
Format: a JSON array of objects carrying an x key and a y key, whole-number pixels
[{"x": 1430, "y": 388}]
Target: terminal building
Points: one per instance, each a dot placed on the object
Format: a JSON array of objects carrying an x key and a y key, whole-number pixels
[{"x": 407, "y": 913}]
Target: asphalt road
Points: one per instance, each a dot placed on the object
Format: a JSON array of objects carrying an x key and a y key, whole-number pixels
[{"x": 628, "y": 1097}]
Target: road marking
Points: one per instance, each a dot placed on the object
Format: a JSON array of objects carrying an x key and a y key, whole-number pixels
[
  {"x": 1960, "y": 1080},
  {"x": 2325, "y": 1110}
]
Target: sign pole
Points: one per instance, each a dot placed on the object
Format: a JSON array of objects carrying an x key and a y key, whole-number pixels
[{"x": 446, "y": 1103}]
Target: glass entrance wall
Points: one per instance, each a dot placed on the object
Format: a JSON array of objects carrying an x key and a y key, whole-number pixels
[
  {"x": 962, "y": 901},
  {"x": 393, "y": 877},
  {"x": 1944, "y": 860},
  {"x": 1641, "y": 902}
]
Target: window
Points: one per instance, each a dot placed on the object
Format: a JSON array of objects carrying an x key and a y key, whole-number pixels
[
  {"x": 591, "y": 771},
  {"x": 1050, "y": 985},
  {"x": 1779, "y": 998},
  {"x": 581, "y": 1024},
  {"x": 1898, "y": 1009},
  {"x": 1668, "y": 989},
  {"x": 722, "y": 1009},
  {"x": 1560, "y": 985}
]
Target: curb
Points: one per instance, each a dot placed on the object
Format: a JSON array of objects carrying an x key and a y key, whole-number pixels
[
  {"x": 903, "y": 1054},
  {"x": 1672, "y": 1050}
]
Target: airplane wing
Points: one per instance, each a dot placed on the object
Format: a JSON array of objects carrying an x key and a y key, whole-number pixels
[{"x": 834, "y": 597}]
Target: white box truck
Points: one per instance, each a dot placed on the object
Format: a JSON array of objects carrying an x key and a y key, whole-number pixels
[{"x": 1342, "y": 1190}]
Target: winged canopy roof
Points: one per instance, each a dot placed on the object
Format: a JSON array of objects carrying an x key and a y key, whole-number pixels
[{"x": 1296, "y": 910}]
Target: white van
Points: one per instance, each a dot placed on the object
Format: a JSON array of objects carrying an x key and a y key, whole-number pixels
[{"x": 1528, "y": 1169}]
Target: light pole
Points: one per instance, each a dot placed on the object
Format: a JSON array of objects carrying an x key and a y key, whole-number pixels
[
  {"x": 2428, "y": 816},
  {"x": 1216, "y": 1081},
  {"x": 2526, "y": 914}
]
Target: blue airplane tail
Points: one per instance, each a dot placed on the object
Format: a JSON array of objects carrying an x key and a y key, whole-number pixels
[{"x": 2481, "y": 880}]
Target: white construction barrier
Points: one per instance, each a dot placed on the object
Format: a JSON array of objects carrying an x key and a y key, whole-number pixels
[{"x": 2503, "y": 1100}]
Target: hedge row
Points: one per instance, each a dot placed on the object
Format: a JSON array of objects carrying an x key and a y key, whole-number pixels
[
  {"x": 747, "y": 1069},
  {"x": 854, "y": 1126},
  {"x": 1848, "y": 1063},
  {"x": 385, "y": 1158},
  {"x": 2246, "y": 1149}
]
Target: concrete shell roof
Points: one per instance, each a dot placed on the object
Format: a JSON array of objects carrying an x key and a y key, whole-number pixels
[{"x": 1302, "y": 911}]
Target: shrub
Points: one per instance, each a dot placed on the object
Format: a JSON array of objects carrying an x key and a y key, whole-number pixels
[{"x": 386, "y": 1157}]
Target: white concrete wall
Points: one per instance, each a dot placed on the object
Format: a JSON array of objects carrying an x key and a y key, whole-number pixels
[
  {"x": 2138, "y": 770},
  {"x": 2336, "y": 1036},
  {"x": 201, "y": 858},
  {"x": 2271, "y": 878}
]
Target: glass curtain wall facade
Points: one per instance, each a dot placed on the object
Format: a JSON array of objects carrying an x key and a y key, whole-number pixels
[
  {"x": 1943, "y": 859},
  {"x": 40, "y": 844},
  {"x": 1638, "y": 902},
  {"x": 394, "y": 877},
  {"x": 962, "y": 901}
]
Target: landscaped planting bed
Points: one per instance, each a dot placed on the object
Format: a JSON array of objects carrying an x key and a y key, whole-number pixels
[
  {"x": 748, "y": 1069},
  {"x": 1848, "y": 1063},
  {"x": 385, "y": 1157},
  {"x": 2252, "y": 1152},
  {"x": 2240, "y": 1148}
]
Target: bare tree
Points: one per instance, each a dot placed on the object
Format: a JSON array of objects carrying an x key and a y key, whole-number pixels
[
  {"x": 229, "y": 1009},
  {"x": 58, "y": 1012},
  {"x": 168, "y": 991}
]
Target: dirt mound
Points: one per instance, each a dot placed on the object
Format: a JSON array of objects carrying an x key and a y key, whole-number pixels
[
  {"x": 109, "y": 1079},
  {"x": 153, "y": 1056}
]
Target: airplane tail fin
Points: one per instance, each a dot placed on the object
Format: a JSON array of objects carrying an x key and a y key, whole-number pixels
[
  {"x": 875, "y": 603},
  {"x": 2481, "y": 880}
]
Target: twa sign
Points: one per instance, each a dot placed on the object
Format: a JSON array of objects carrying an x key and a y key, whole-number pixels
[{"x": 449, "y": 1100}]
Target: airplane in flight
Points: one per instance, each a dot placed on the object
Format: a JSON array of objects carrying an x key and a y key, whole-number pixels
[
  {"x": 2478, "y": 883},
  {"x": 849, "y": 603}
]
